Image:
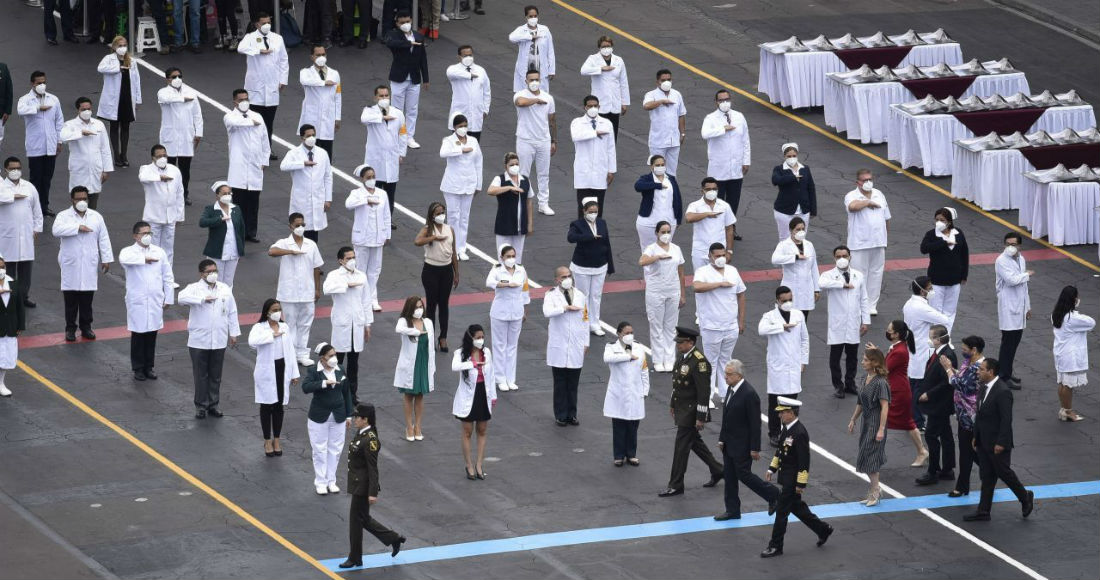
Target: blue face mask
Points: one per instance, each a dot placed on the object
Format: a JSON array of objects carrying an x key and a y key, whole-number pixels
[{"x": 967, "y": 355}]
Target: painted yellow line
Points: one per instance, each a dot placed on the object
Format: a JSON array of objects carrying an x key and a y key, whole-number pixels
[
  {"x": 819, "y": 130},
  {"x": 178, "y": 470}
]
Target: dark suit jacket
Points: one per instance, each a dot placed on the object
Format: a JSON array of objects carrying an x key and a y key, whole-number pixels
[
  {"x": 13, "y": 317},
  {"x": 335, "y": 400},
  {"x": 363, "y": 464},
  {"x": 946, "y": 267},
  {"x": 993, "y": 422},
  {"x": 212, "y": 218},
  {"x": 407, "y": 64},
  {"x": 741, "y": 422},
  {"x": 794, "y": 192},
  {"x": 6, "y": 98},
  {"x": 591, "y": 252},
  {"x": 646, "y": 186},
  {"x": 941, "y": 394}
]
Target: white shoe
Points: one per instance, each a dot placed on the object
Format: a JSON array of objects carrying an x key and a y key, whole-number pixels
[
  {"x": 321, "y": 490},
  {"x": 513, "y": 387},
  {"x": 874, "y": 312},
  {"x": 376, "y": 306},
  {"x": 544, "y": 209},
  {"x": 413, "y": 144},
  {"x": 463, "y": 256},
  {"x": 4, "y": 391},
  {"x": 305, "y": 361},
  {"x": 503, "y": 387},
  {"x": 712, "y": 405},
  {"x": 444, "y": 18},
  {"x": 598, "y": 331},
  {"x": 175, "y": 284},
  {"x": 333, "y": 488}
]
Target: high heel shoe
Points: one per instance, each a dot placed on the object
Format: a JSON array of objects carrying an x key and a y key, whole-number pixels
[
  {"x": 875, "y": 493},
  {"x": 267, "y": 448},
  {"x": 480, "y": 474},
  {"x": 1069, "y": 416},
  {"x": 921, "y": 459},
  {"x": 276, "y": 448},
  {"x": 443, "y": 345},
  {"x": 408, "y": 436},
  {"x": 957, "y": 493},
  {"x": 469, "y": 475},
  {"x": 418, "y": 436}
]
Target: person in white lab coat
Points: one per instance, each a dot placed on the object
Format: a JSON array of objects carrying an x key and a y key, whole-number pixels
[
  {"x": 509, "y": 283},
  {"x": 299, "y": 282},
  {"x": 720, "y": 309},
  {"x": 20, "y": 223},
  {"x": 788, "y": 354},
  {"x": 594, "y": 159},
  {"x": 13, "y": 321},
  {"x": 919, "y": 315},
  {"x": 149, "y": 291},
  {"x": 1071, "y": 349},
  {"x": 323, "y": 99},
  {"x": 662, "y": 263},
  {"x": 90, "y": 161},
  {"x": 609, "y": 81},
  {"x": 164, "y": 205},
  {"x": 370, "y": 230},
  {"x": 713, "y": 222},
  {"x": 515, "y": 206},
  {"x": 121, "y": 96},
  {"x": 798, "y": 258},
  {"x": 729, "y": 153},
  {"x": 566, "y": 344},
  {"x": 536, "y": 134},
  {"x": 471, "y": 94},
  {"x": 211, "y": 326},
  {"x": 85, "y": 251},
  {"x": 41, "y": 112},
  {"x": 415, "y": 373},
  {"x": 868, "y": 226},
  {"x": 627, "y": 388},
  {"x": 351, "y": 315},
  {"x": 385, "y": 148},
  {"x": 274, "y": 373},
  {"x": 225, "y": 223},
  {"x": 845, "y": 291},
  {"x": 475, "y": 396},
  {"x": 667, "y": 120},
  {"x": 267, "y": 72},
  {"x": 534, "y": 50},
  {"x": 180, "y": 124},
  {"x": 249, "y": 151},
  {"x": 311, "y": 185},
  {"x": 462, "y": 178},
  {"x": 1013, "y": 304}
]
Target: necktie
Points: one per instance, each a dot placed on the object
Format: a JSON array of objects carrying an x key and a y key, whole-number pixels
[
  {"x": 593, "y": 123},
  {"x": 847, "y": 278},
  {"x": 568, "y": 297},
  {"x": 310, "y": 156},
  {"x": 728, "y": 119},
  {"x": 981, "y": 396},
  {"x": 266, "y": 45},
  {"x": 321, "y": 72},
  {"x": 470, "y": 70}
]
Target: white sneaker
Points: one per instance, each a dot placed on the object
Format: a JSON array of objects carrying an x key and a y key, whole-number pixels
[
  {"x": 175, "y": 284},
  {"x": 503, "y": 387},
  {"x": 321, "y": 490},
  {"x": 444, "y": 18},
  {"x": 513, "y": 387},
  {"x": 376, "y": 306},
  {"x": 413, "y": 144},
  {"x": 598, "y": 331},
  {"x": 305, "y": 361},
  {"x": 544, "y": 209},
  {"x": 874, "y": 312},
  {"x": 333, "y": 488},
  {"x": 4, "y": 391},
  {"x": 463, "y": 256}
]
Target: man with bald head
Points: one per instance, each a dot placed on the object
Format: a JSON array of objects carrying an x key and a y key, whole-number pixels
[{"x": 567, "y": 344}]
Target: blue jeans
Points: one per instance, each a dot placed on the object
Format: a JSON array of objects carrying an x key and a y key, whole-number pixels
[{"x": 194, "y": 11}]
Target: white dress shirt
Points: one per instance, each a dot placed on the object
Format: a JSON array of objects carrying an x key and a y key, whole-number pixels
[
  {"x": 164, "y": 202},
  {"x": 594, "y": 152},
  {"x": 664, "y": 121},
  {"x": 385, "y": 147},
  {"x": 249, "y": 150},
  {"x": 322, "y": 102},
  {"x": 89, "y": 155},
  {"x": 43, "y": 127},
  {"x": 296, "y": 270},
  {"x": 464, "y": 169},
  {"x": 311, "y": 186},
  {"x": 81, "y": 253},
  {"x": 717, "y": 309},
  {"x": 867, "y": 227},
  {"x": 469, "y": 96},
  {"x": 265, "y": 72},
  {"x": 371, "y": 226}
]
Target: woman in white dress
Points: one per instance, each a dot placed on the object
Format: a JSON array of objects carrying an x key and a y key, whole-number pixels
[
  {"x": 627, "y": 387},
  {"x": 799, "y": 261},
  {"x": 13, "y": 320},
  {"x": 461, "y": 180},
  {"x": 1071, "y": 349},
  {"x": 120, "y": 98},
  {"x": 274, "y": 345},
  {"x": 662, "y": 263},
  {"x": 508, "y": 280}
]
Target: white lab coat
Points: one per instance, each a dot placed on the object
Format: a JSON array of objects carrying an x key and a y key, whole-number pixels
[
  {"x": 627, "y": 383},
  {"x": 262, "y": 339},
  {"x": 568, "y": 330},
  {"x": 249, "y": 150},
  {"x": 1013, "y": 299},
  {"x": 464, "y": 392},
  {"x": 611, "y": 87},
  {"x": 547, "y": 63},
  {"x": 210, "y": 324},
  {"x": 798, "y": 275},
  {"x": 351, "y": 308},
  {"x": 919, "y": 316},
  {"x": 469, "y": 96},
  {"x": 111, "y": 69},
  {"x": 727, "y": 151},
  {"x": 163, "y": 199},
  {"x": 43, "y": 127},
  {"x": 594, "y": 154},
  {"x": 848, "y": 307},
  {"x": 385, "y": 147},
  {"x": 180, "y": 120},
  {"x": 322, "y": 103},
  {"x": 265, "y": 72},
  {"x": 81, "y": 253},
  {"x": 89, "y": 156},
  {"x": 787, "y": 351},
  {"x": 464, "y": 170},
  {"x": 508, "y": 303},
  {"x": 310, "y": 186},
  {"x": 1071, "y": 344},
  {"x": 371, "y": 227},
  {"x": 148, "y": 287},
  {"x": 406, "y": 360},
  {"x": 20, "y": 219}
]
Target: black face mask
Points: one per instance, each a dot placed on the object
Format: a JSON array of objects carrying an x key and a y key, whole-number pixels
[{"x": 889, "y": 336}]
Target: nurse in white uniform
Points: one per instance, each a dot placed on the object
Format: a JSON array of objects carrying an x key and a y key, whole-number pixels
[
  {"x": 274, "y": 372},
  {"x": 508, "y": 280},
  {"x": 461, "y": 179},
  {"x": 662, "y": 263}
]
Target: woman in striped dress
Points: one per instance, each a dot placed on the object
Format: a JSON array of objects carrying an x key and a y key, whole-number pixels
[{"x": 874, "y": 404}]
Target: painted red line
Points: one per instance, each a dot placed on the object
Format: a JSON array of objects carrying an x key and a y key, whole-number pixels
[{"x": 470, "y": 298}]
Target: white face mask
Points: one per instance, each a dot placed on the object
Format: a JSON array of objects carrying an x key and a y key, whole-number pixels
[
  {"x": 3, "y": 273},
  {"x": 383, "y": 103},
  {"x": 566, "y": 283},
  {"x": 467, "y": 61},
  {"x": 628, "y": 339},
  {"x": 791, "y": 161},
  {"x": 299, "y": 231},
  {"x": 786, "y": 306},
  {"x": 941, "y": 226},
  {"x": 658, "y": 170},
  {"x": 265, "y": 29},
  {"x": 665, "y": 238},
  {"x": 146, "y": 240},
  {"x": 40, "y": 89},
  {"x": 81, "y": 206},
  {"x": 369, "y": 183},
  {"x": 930, "y": 294},
  {"x": 275, "y": 316},
  {"x": 406, "y": 27},
  {"x": 212, "y": 278},
  {"x": 440, "y": 218},
  {"x": 176, "y": 82},
  {"x": 606, "y": 51},
  {"x": 226, "y": 199},
  {"x": 513, "y": 170},
  {"x": 533, "y": 86},
  {"x": 591, "y": 217},
  {"x": 350, "y": 265},
  {"x": 1011, "y": 251},
  {"x": 510, "y": 262},
  {"x": 592, "y": 112},
  {"x": 666, "y": 86},
  {"x": 462, "y": 131},
  {"x": 867, "y": 186},
  {"x": 14, "y": 175},
  {"x": 720, "y": 262},
  {"x": 311, "y": 141},
  {"x": 931, "y": 343},
  {"x": 800, "y": 235},
  {"x": 85, "y": 115},
  {"x": 710, "y": 194},
  {"x": 243, "y": 106},
  {"x": 479, "y": 342},
  {"x": 533, "y": 22},
  {"x": 321, "y": 61},
  {"x": 418, "y": 313},
  {"x": 724, "y": 106},
  {"x": 121, "y": 50},
  {"x": 161, "y": 162},
  {"x": 842, "y": 263},
  {"x": 332, "y": 362}
]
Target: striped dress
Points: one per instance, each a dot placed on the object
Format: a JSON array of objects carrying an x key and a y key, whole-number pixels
[{"x": 872, "y": 454}]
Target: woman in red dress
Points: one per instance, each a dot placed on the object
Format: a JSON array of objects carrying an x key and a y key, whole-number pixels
[{"x": 901, "y": 398}]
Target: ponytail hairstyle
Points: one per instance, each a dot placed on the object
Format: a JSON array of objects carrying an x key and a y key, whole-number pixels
[
  {"x": 467, "y": 349},
  {"x": 904, "y": 334},
  {"x": 1067, "y": 302}
]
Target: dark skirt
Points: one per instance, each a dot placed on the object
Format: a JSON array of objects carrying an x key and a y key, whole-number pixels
[
  {"x": 480, "y": 409},
  {"x": 125, "y": 112}
]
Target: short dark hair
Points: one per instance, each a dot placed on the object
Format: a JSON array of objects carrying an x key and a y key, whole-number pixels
[
  {"x": 403, "y": 14},
  {"x": 707, "y": 180},
  {"x": 302, "y": 130},
  {"x": 76, "y": 190},
  {"x": 365, "y": 169},
  {"x": 716, "y": 246},
  {"x": 8, "y": 161},
  {"x": 529, "y": 8},
  {"x": 158, "y": 147},
  {"x": 295, "y": 216},
  {"x": 864, "y": 171},
  {"x": 206, "y": 263},
  {"x": 464, "y": 47},
  {"x": 172, "y": 69},
  {"x": 781, "y": 291},
  {"x": 663, "y": 71},
  {"x": 260, "y": 16},
  {"x": 975, "y": 342},
  {"x": 1019, "y": 237},
  {"x": 380, "y": 87},
  {"x": 795, "y": 221},
  {"x": 237, "y": 92},
  {"x": 314, "y": 48},
  {"x": 603, "y": 39},
  {"x": 37, "y": 75},
  {"x": 342, "y": 251},
  {"x": 720, "y": 91},
  {"x": 621, "y": 326},
  {"x": 140, "y": 224},
  {"x": 459, "y": 118},
  {"x": 842, "y": 247},
  {"x": 590, "y": 98},
  {"x": 919, "y": 283},
  {"x": 81, "y": 101},
  {"x": 532, "y": 70},
  {"x": 993, "y": 365}
]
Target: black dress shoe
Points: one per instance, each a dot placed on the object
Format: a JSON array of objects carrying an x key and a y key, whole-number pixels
[
  {"x": 928, "y": 479},
  {"x": 1029, "y": 503},
  {"x": 771, "y": 552},
  {"x": 560, "y": 423},
  {"x": 28, "y": 303},
  {"x": 772, "y": 506},
  {"x": 957, "y": 493},
  {"x": 51, "y": 41},
  {"x": 70, "y": 336},
  {"x": 200, "y": 414},
  {"x": 947, "y": 475},
  {"x": 851, "y": 389},
  {"x": 824, "y": 537},
  {"x": 479, "y": 12},
  {"x": 187, "y": 201},
  {"x": 726, "y": 516},
  {"x": 714, "y": 479},
  {"x": 574, "y": 421},
  {"x": 736, "y": 238},
  {"x": 350, "y": 564},
  {"x": 253, "y": 239},
  {"x": 670, "y": 492},
  {"x": 397, "y": 546},
  {"x": 149, "y": 374},
  {"x": 88, "y": 334},
  {"x": 139, "y": 376},
  {"x": 273, "y": 157},
  {"x": 976, "y": 517},
  {"x": 215, "y": 413},
  {"x": 838, "y": 393}
]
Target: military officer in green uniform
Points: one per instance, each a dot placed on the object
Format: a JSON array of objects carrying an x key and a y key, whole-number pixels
[
  {"x": 363, "y": 487},
  {"x": 689, "y": 409},
  {"x": 792, "y": 462}
]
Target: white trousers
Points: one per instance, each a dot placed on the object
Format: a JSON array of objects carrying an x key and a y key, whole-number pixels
[
  {"x": 539, "y": 153},
  {"x": 718, "y": 347},
  {"x": 369, "y": 259},
  {"x": 871, "y": 263},
  {"x": 592, "y": 288},
  {"x": 299, "y": 317},
  {"x": 514, "y": 241},
  {"x": 406, "y": 97},
  {"x": 505, "y": 348},
  {"x": 327, "y": 441},
  {"x": 164, "y": 236},
  {"x": 227, "y": 270},
  {"x": 663, "y": 313},
  {"x": 946, "y": 300},
  {"x": 699, "y": 260},
  {"x": 783, "y": 223},
  {"x": 647, "y": 233},
  {"x": 458, "y": 216},
  {"x": 671, "y": 155}
]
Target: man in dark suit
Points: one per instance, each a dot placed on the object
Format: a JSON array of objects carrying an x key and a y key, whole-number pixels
[
  {"x": 689, "y": 408},
  {"x": 6, "y": 98},
  {"x": 740, "y": 443},
  {"x": 363, "y": 487},
  {"x": 993, "y": 442},
  {"x": 408, "y": 71},
  {"x": 937, "y": 403}
]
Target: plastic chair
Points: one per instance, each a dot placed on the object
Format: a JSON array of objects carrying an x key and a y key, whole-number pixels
[{"x": 148, "y": 36}]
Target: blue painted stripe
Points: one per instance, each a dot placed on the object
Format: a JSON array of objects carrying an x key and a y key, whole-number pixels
[{"x": 693, "y": 525}]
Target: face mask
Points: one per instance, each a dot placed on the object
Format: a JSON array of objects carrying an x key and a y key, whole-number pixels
[
  {"x": 212, "y": 278},
  {"x": 786, "y": 306},
  {"x": 591, "y": 217},
  {"x": 321, "y": 61},
  {"x": 968, "y": 355},
  {"x": 592, "y": 112},
  {"x": 606, "y": 51},
  {"x": 299, "y": 231},
  {"x": 930, "y": 294},
  {"x": 369, "y": 183},
  {"x": 121, "y": 51},
  {"x": 176, "y": 82},
  {"x": 81, "y": 206},
  {"x": 533, "y": 22},
  {"x": 720, "y": 262},
  {"x": 710, "y": 194},
  {"x": 665, "y": 238},
  {"x": 842, "y": 263},
  {"x": 510, "y": 262},
  {"x": 418, "y": 313},
  {"x": 800, "y": 235},
  {"x": 440, "y": 218},
  {"x": 479, "y": 342},
  {"x": 226, "y": 199},
  {"x": 350, "y": 265},
  {"x": 161, "y": 162},
  {"x": 724, "y": 106},
  {"x": 533, "y": 86},
  {"x": 243, "y": 106},
  {"x": 1011, "y": 251},
  {"x": 867, "y": 186},
  {"x": 467, "y": 61},
  {"x": 383, "y": 103},
  {"x": 146, "y": 240},
  {"x": 941, "y": 226},
  {"x": 462, "y": 131},
  {"x": 1077, "y": 304},
  {"x": 513, "y": 170},
  {"x": 666, "y": 86},
  {"x": 889, "y": 337},
  {"x": 931, "y": 343},
  {"x": 406, "y": 27},
  {"x": 658, "y": 170},
  {"x": 791, "y": 161},
  {"x": 628, "y": 339},
  {"x": 14, "y": 175},
  {"x": 566, "y": 283},
  {"x": 275, "y": 316},
  {"x": 40, "y": 89},
  {"x": 265, "y": 29},
  {"x": 311, "y": 141},
  {"x": 85, "y": 115},
  {"x": 3, "y": 273},
  {"x": 332, "y": 362}
]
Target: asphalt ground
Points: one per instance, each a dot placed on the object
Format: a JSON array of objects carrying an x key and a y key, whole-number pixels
[{"x": 95, "y": 502}]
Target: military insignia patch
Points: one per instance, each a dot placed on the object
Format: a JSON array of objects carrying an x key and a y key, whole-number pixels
[
  {"x": 373, "y": 445},
  {"x": 788, "y": 441},
  {"x": 702, "y": 367},
  {"x": 684, "y": 369}
]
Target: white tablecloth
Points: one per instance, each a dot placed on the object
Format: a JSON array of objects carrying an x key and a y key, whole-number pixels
[
  {"x": 1064, "y": 212},
  {"x": 797, "y": 79},
  {"x": 862, "y": 110},
  {"x": 992, "y": 179},
  {"x": 927, "y": 141}
]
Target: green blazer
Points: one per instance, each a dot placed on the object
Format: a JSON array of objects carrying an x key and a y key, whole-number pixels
[
  {"x": 212, "y": 218},
  {"x": 13, "y": 317},
  {"x": 335, "y": 400}
]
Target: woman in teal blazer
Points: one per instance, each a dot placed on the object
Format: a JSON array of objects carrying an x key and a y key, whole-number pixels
[
  {"x": 224, "y": 220},
  {"x": 329, "y": 410}
]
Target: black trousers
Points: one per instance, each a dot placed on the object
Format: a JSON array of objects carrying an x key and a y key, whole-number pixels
[
  {"x": 566, "y": 382},
  {"x": 689, "y": 440},
  {"x": 994, "y": 466},
  {"x": 966, "y": 459},
  {"x": 391, "y": 193},
  {"x": 93, "y": 200},
  {"x": 118, "y": 133},
  {"x": 326, "y": 144},
  {"x": 848, "y": 381},
  {"x": 739, "y": 469},
  {"x": 614, "y": 118},
  {"x": 41, "y": 169},
  {"x": 941, "y": 443},
  {"x": 207, "y": 367},
  {"x": 774, "y": 425},
  {"x": 583, "y": 193},
  {"x": 271, "y": 414},
  {"x": 476, "y": 135},
  {"x": 352, "y": 371},
  {"x": 916, "y": 388},
  {"x": 143, "y": 349},
  {"x": 730, "y": 191},
  {"x": 313, "y": 235},
  {"x": 267, "y": 112},
  {"x": 184, "y": 165},
  {"x": 227, "y": 15},
  {"x": 365, "y": 21},
  {"x": 438, "y": 282},
  {"x": 358, "y": 520},
  {"x": 21, "y": 272},
  {"x": 250, "y": 208},
  {"x": 317, "y": 20},
  {"x": 102, "y": 19},
  {"x": 790, "y": 502},
  {"x": 624, "y": 438},
  {"x": 1010, "y": 341},
  {"x": 50, "y": 27},
  {"x": 78, "y": 309},
  {"x": 256, "y": 6}
]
